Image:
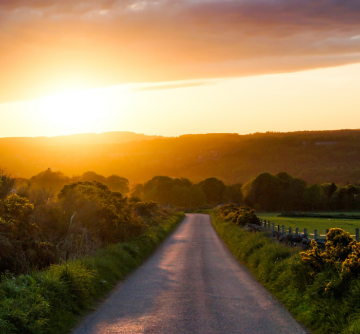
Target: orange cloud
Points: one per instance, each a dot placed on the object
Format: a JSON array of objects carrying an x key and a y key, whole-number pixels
[{"x": 49, "y": 45}]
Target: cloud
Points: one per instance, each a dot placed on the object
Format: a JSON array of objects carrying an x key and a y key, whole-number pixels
[{"x": 49, "y": 45}]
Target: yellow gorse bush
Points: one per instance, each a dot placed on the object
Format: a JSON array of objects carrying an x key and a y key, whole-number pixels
[{"x": 341, "y": 251}]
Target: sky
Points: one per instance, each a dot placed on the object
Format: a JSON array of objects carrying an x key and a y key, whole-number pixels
[{"x": 170, "y": 67}]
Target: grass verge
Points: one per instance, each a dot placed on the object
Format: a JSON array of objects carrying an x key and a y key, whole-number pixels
[
  {"x": 52, "y": 300},
  {"x": 281, "y": 270}
]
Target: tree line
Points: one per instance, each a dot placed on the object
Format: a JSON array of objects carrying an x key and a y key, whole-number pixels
[
  {"x": 51, "y": 217},
  {"x": 265, "y": 192}
]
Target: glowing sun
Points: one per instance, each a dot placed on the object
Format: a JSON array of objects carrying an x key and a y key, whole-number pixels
[{"x": 73, "y": 112}]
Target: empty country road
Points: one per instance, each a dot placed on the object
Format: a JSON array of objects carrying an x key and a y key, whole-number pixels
[{"x": 192, "y": 284}]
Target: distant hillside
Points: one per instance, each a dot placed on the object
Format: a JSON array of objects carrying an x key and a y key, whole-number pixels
[
  {"x": 315, "y": 156},
  {"x": 116, "y": 137}
]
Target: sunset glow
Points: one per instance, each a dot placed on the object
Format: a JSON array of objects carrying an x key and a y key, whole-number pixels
[
  {"x": 163, "y": 67},
  {"x": 77, "y": 112}
]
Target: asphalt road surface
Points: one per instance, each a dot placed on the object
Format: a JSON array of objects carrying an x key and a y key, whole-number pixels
[{"x": 192, "y": 284}]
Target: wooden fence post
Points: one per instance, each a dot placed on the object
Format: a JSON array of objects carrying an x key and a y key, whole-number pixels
[
  {"x": 269, "y": 224},
  {"x": 315, "y": 234},
  {"x": 278, "y": 228},
  {"x": 297, "y": 231},
  {"x": 289, "y": 230},
  {"x": 357, "y": 235},
  {"x": 305, "y": 232},
  {"x": 273, "y": 227},
  {"x": 283, "y": 229},
  {"x": 265, "y": 223}
]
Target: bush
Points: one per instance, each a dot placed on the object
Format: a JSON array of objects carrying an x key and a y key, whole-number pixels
[
  {"x": 146, "y": 209},
  {"x": 244, "y": 215},
  {"x": 226, "y": 209},
  {"x": 239, "y": 215},
  {"x": 339, "y": 246}
]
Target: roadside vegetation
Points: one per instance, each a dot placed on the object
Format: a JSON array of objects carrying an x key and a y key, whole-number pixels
[
  {"x": 51, "y": 300},
  {"x": 39, "y": 227},
  {"x": 65, "y": 241},
  {"x": 319, "y": 287},
  {"x": 61, "y": 251}
]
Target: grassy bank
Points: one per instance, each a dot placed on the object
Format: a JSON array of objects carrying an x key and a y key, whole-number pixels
[
  {"x": 322, "y": 302},
  {"x": 52, "y": 300},
  {"x": 321, "y": 224}
]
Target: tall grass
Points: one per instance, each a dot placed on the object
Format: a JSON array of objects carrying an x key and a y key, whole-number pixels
[
  {"x": 281, "y": 270},
  {"x": 51, "y": 301}
]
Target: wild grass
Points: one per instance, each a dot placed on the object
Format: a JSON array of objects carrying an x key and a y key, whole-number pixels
[
  {"x": 51, "y": 301},
  {"x": 321, "y": 224},
  {"x": 281, "y": 270}
]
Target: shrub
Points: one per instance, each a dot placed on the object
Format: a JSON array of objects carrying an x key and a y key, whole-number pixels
[
  {"x": 228, "y": 208},
  {"x": 351, "y": 266},
  {"x": 146, "y": 209},
  {"x": 313, "y": 257},
  {"x": 244, "y": 215},
  {"x": 339, "y": 246},
  {"x": 239, "y": 215},
  {"x": 230, "y": 217}
]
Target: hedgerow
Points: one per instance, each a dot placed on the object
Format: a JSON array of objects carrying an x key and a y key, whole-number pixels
[
  {"x": 321, "y": 289},
  {"x": 51, "y": 300}
]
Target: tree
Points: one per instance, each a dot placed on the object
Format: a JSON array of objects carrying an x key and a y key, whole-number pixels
[
  {"x": 233, "y": 194},
  {"x": 137, "y": 191},
  {"x": 21, "y": 248},
  {"x": 158, "y": 188},
  {"x": 49, "y": 180},
  {"x": 292, "y": 191},
  {"x": 213, "y": 189},
  {"x": 196, "y": 196},
  {"x": 118, "y": 183},
  {"x": 6, "y": 184},
  {"x": 92, "y": 176},
  {"x": 178, "y": 196},
  {"x": 183, "y": 182},
  {"x": 328, "y": 189},
  {"x": 15, "y": 219},
  {"x": 100, "y": 210},
  {"x": 263, "y": 191},
  {"x": 187, "y": 197},
  {"x": 313, "y": 197}
]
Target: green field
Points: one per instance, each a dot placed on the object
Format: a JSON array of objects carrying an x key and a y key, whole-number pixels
[{"x": 321, "y": 224}]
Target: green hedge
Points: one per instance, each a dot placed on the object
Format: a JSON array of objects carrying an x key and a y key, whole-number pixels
[
  {"x": 281, "y": 270},
  {"x": 52, "y": 300}
]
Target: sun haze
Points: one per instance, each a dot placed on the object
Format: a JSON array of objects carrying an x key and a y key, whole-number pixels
[{"x": 189, "y": 59}]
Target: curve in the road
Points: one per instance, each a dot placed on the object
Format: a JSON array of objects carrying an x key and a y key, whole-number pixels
[{"x": 192, "y": 284}]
